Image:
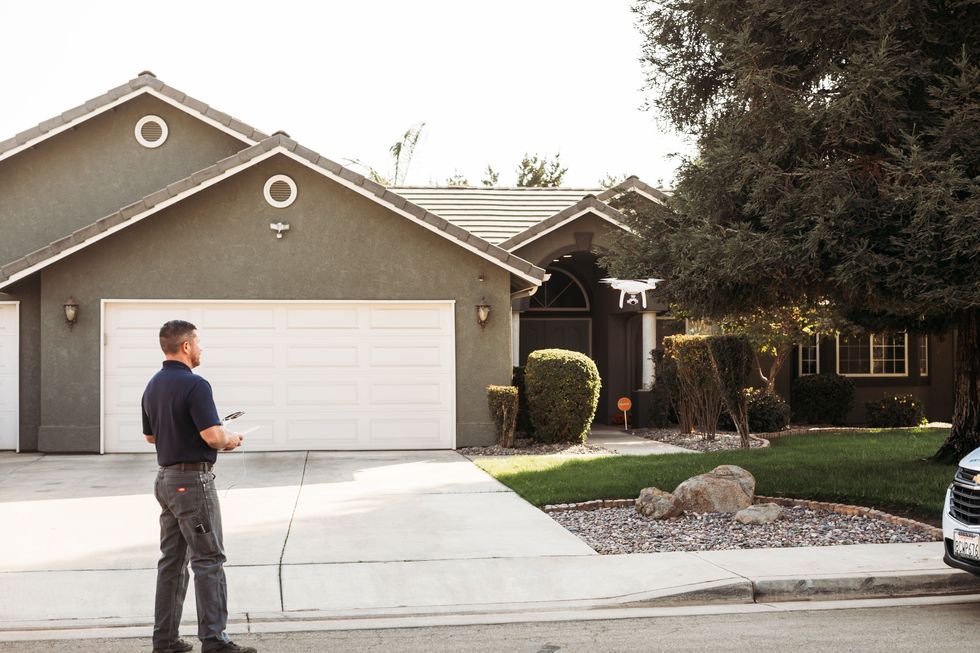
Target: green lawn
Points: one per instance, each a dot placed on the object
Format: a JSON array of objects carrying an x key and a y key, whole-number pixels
[{"x": 885, "y": 469}]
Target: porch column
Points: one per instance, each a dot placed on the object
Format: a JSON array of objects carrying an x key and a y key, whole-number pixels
[
  {"x": 649, "y": 342},
  {"x": 515, "y": 337}
]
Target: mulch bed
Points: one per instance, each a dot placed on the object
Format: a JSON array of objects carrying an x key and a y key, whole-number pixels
[
  {"x": 618, "y": 530},
  {"x": 723, "y": 440},
  {"x": 528, "y": 447}
]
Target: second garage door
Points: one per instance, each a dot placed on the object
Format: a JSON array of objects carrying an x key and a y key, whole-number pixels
[{"x": 311, "y": 375}]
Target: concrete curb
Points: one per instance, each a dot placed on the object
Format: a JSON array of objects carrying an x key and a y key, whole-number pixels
[
  {"x": 725, "y": 592},
  {"x": 772, "y": 590}
]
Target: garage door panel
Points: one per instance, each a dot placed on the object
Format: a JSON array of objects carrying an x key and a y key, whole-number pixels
[
  {"x": 236, "y": 393},
  {"x": 224, "y": 356},
  {"x": 411, "y": 393},
  {"x": 406, "y": 318},
  {"x": 323, "y": 394},
  {"x": 132, "y": 355},
  {"x": 392, "y": 431},
  {"x": 148, "y": 318},
  {"x": 242, "y": 320},
  {"x": 316, "y": 318},
  {"x": 312, "y": 376},
  {"x": 322, "y": 356},
  {"x": 322, "y": 433},
  {"x": 407, "y": 356},
  {"x": 130, "y": 432}
]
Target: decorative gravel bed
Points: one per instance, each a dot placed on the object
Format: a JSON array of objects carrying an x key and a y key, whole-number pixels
[
  {"x": 723, "y": 439},
  {"x": 528, "y": 447},
  {"x": 622, "y": 530}
]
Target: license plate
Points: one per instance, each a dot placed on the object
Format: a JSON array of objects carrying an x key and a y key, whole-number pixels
[{"x": 966, "y": 545}]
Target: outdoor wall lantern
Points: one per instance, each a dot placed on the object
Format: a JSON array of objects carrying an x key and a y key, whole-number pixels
[
  {"x": 482, "y": 313},
  {"x": 71, "y": 312}
]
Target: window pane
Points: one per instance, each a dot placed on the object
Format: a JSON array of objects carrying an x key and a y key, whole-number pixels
[
  {"x": 854, "y": 354},
  {"x": 923, "y": 355},
  {"x": 888, "y": 353},
  {"x": 809, "y": 354}
]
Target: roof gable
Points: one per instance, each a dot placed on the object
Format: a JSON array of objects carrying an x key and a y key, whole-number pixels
[
  {"x": 145, "y": 83},
  {"x": 589, "y": 205},
  {"x": 277, "y": 144},
  {"x": 633, "y": 183}
]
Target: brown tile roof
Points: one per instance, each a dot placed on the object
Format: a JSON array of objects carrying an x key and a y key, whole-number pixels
[
  {"x": 153, "y": 202},
  {"x": 146, "y": 82},
  {"x": 494, "y": 214},
  {"x": 587, "y": 203}
]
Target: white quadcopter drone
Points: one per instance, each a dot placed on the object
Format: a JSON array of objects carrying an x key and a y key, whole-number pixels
[{"x": 632, "y": 288}]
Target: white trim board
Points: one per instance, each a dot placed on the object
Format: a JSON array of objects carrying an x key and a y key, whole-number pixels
[
  {"x": 145, "y": 90},
  {"x": 279, "y": 149},
  {"x": 16, "y": 376}
]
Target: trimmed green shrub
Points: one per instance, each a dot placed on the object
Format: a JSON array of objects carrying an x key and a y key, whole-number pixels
[
  {"x": 502, "y": 400},
  {"x": 562, "y": 393},
  {"x": 662, "y": 412},
  {"x": 699, "y": 396},
  {"x": 822, "y": 398},
  {"x": 768, "y": 412},
  {"x": 523, "y": 411},
  {"x": 731, "y": 358},
  {"x": 900, "y": 410}
]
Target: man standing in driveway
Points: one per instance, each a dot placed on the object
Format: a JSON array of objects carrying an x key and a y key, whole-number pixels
[{"x": 180, "y": 418}]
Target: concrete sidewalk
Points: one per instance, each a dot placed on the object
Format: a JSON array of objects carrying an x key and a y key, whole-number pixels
[{"x": 323, "y": 536}]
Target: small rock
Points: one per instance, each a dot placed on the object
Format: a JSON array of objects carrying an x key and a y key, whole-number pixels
[
  {"x": 762, "y": 513},
  {"x": 657, "y": 504},
  {"x": 726, "y": 488}
]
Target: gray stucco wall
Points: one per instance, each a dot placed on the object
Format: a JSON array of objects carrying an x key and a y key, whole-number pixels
[
  {"x": 218, "y": 245},
  {"x": 82, "y": 174}
]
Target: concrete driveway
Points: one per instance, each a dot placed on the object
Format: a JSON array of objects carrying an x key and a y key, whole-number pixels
[{"x": 303, "y": 531}]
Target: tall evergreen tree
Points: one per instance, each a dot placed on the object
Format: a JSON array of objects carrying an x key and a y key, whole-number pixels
[{"x": 838, "y": 164}]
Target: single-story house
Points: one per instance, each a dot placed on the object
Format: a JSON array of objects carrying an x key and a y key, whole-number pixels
[{"x": 337, "y": 313}]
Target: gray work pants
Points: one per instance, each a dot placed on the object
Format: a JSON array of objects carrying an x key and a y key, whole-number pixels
[{"x": 190, "y": 531}]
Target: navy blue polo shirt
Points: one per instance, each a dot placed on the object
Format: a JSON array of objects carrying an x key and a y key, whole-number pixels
[{"x": 177, "y": 406}]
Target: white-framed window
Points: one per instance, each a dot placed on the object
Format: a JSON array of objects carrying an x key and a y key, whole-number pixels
[
  {"x": 923, "y": 355},
  {"x": 151, "y": 131},
  {"x": 873, "y": 354},
  {"x": 279, "y": 191},
  {"x": 809, "y": 355},
  {"x": 561, "y": 292}
]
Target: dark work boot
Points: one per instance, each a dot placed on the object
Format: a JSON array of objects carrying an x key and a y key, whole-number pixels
[
  {"x": 180, "y": 646},
  {"x": 225, "y": 647}
]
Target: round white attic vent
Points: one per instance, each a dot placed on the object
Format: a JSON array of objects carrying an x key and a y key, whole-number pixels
[
  {"x": 151, "y": 131},
  {"x": 280, "y": 191}
]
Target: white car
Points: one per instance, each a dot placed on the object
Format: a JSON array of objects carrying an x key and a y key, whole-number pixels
[{"x": 961, "y": 516}]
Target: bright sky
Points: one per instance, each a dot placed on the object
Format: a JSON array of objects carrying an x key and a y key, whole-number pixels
[{"x": 491, "y": 80}]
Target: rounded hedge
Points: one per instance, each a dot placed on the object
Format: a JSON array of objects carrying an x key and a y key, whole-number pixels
[
  {"x": 768, "y": 412},
  {"x": 894, "y": 411},
  {"x": 562, "y": 394},
  {"x": 822, "y": 398}
]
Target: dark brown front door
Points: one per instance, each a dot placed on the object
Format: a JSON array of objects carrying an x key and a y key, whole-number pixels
[{"x": 555, "y": 333}]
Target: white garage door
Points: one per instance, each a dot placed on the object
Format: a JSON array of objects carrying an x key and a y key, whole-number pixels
[
  {"x": 326, "y": 375},
  {"x": 9, "y": 377}
]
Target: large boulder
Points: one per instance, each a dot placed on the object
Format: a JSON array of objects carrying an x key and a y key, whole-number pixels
[
  {"x": 726, "y": 488},
  {"x": 657, "y": 504},
  {"x": 760, "y": 513}
]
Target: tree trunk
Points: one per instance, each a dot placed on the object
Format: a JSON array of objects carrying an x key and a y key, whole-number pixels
[
  {"x": 774, "y": 367},
  {"x": 964, "y": 436}
]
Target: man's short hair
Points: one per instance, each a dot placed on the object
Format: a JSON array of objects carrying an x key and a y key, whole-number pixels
[{"x": 173, "y": 334}]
